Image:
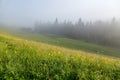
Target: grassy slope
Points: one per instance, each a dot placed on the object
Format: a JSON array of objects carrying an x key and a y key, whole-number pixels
[
  {"x": 23, "y": 59},
  {"x": 63, "y": 42},
  {"x": 68, "y": 43}
]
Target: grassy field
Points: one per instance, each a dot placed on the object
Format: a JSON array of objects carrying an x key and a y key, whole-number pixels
[
  {"x": 62, "y": 41},
  {"x": 66, "y": 42},
  {"x": 21, "y": 59}
]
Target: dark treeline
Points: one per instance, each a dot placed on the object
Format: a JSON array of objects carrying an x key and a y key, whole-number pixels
[{"x": 100, "y": 32}]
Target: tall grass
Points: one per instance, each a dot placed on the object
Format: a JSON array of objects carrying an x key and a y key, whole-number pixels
[{"x": 28, "y": 60}]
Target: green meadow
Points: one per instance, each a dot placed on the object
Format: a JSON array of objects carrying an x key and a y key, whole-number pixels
[
  {"x": 62, "y": 41},
  {"x": 22, "y": 59}
]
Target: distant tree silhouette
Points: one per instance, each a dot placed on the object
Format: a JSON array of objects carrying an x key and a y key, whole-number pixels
[{"x": 99, "y": 32}]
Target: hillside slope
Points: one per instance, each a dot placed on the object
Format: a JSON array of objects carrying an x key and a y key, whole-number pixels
[
  {"x": 62, "y": 41},
  {"x": 25, "y": 60}
]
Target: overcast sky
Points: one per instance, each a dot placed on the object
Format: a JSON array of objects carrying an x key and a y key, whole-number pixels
[{"x": 26, "y": 12}]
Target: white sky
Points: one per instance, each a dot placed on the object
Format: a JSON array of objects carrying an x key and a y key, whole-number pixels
[{"x": 26, "y": 12}]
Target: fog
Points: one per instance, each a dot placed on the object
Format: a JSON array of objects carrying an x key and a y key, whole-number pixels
[
  {"x": 106, "y": 33},
  {"x": 96, "y": 21},
  {"x": 27, "y": 12}
]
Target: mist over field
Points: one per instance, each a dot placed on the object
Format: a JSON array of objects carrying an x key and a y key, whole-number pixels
[
  {"x": 99, "y": 32},
  {"x": 89, "y": 20}
]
